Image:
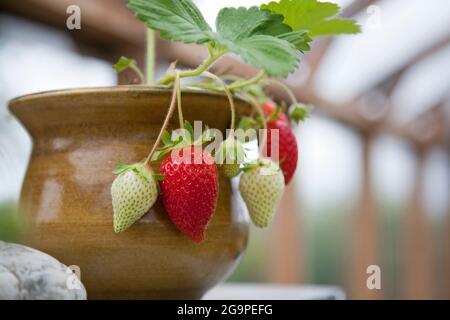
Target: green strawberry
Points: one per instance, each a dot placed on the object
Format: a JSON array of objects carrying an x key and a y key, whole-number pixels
[
  {"x": 261, "y": 187},
  {"x": 230, "y": 156},
  {"x": 133, "y": 192}
]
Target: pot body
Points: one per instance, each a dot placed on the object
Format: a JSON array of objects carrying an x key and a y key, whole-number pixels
[{"x": 78, "y": 136}]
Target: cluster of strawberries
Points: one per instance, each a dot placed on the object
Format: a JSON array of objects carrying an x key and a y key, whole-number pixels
[{"x": 189, "y": 185}]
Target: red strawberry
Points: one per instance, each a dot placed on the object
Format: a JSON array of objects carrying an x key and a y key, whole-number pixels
[
  {"x": 190, "y": 189},
  {"x": 270, "y": 108},
  {"x": 288, "y": 150}
]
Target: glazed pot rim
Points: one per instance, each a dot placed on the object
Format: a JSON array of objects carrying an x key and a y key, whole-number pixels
[{"x": 105, "y": 89}]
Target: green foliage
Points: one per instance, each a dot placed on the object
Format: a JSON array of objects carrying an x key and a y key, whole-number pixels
[
  {"x": 259, "y": 37},
  {"x": 318, "y": 18},
  {"x": 269, "y": 37},
  {"x": 275, "y": 56},
  {"x": 123, "y": 64},
  {"x": 241, "y": 23},
  {"x": 178, "y": 20}
]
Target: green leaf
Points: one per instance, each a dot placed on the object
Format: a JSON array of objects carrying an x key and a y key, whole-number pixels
[
  {"x": 274, "y": 26},
  {"x": 275, "y": 114},
  {"x": 189, "y": 128},
  {"x": 312, "y": 15},
  {"x": 123, "y": 64},
  {"x": 121, "y": 167},
  {"x": 250, "y": 33},
  {"x": 206, "y": 136},
  {"x": 335, "y": 26},
  {"x": 299, "y": 39},
  {"x": 240, "y": 23},
  {"x": 275, "y": 56},
  {"x": 178, "y": 20},
  {"x": 160, "y": 153},
  {"x": 166, "y": 138}
]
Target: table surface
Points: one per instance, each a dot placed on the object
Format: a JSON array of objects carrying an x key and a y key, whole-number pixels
[{"x": 250, "y": 291}]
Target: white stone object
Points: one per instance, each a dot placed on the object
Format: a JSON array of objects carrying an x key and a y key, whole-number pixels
[{"x": 28, "y": 274}]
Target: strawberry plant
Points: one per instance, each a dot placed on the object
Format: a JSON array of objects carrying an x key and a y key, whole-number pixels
[{"x": 271, "y": 38}]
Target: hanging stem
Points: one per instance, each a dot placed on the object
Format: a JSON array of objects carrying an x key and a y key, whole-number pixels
[
  {"x": 284, "y": 87},
  {"x": 229, "y": 95},
  {"x": 150, "y": 57},
  {"x": 165, "y": 124},
  {"x": 180, "y": 109},
  {"x": 260, "y": 112}
]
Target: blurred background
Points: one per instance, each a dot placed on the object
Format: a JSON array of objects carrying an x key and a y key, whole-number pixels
[{"x": 373, "y": 182}]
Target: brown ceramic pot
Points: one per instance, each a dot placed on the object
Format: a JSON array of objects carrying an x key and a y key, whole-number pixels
[{"x": 78, "y": 136}]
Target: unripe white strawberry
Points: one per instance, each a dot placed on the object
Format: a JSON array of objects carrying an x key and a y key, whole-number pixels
[
  {"x": 133, "y": 193},
  {"x": 261, "y": 187},
  {"x": 230, "y": 156}
]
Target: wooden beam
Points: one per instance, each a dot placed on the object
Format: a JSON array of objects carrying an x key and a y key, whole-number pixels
[
  {"x": 348, "y": 113},
  {"x": 389, "y": 83},
  {"x": 105, "y": 24},
  {"x": 286, "y": 263},
  {"x": 108, "y": 29},
  {"x": 418, "y": 269},
  {"x": 431, "y": 125},
  {"x": 365, "y": 233},
  {"x": 447, "y": 253}
]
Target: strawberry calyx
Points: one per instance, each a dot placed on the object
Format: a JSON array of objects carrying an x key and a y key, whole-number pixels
[
  {"x": 246, "y": 123},
  {"x": 181, "y": 139},
  {"x": 230, "y": 155},
  {"x": 267, "y": 166},
  {"x": 142, "y": 170},
  {"x": 299, "y": 112}
]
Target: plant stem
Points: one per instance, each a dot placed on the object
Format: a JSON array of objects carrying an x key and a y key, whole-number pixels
[
  {"x": 232, "y": 87},
  {"x": 138, "y": 71},
  {"x": 284, "y": 87},
  {"x": 212, "y": 58},
  {"x": 260, "y": 112},
  {"x": 240, "y": 84},
  {"x": 229, "y": 95},
  {"x": 180, "y": 109},
  {"x": 164, "y": 126},
  {"x": 150, "y": 56}
]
